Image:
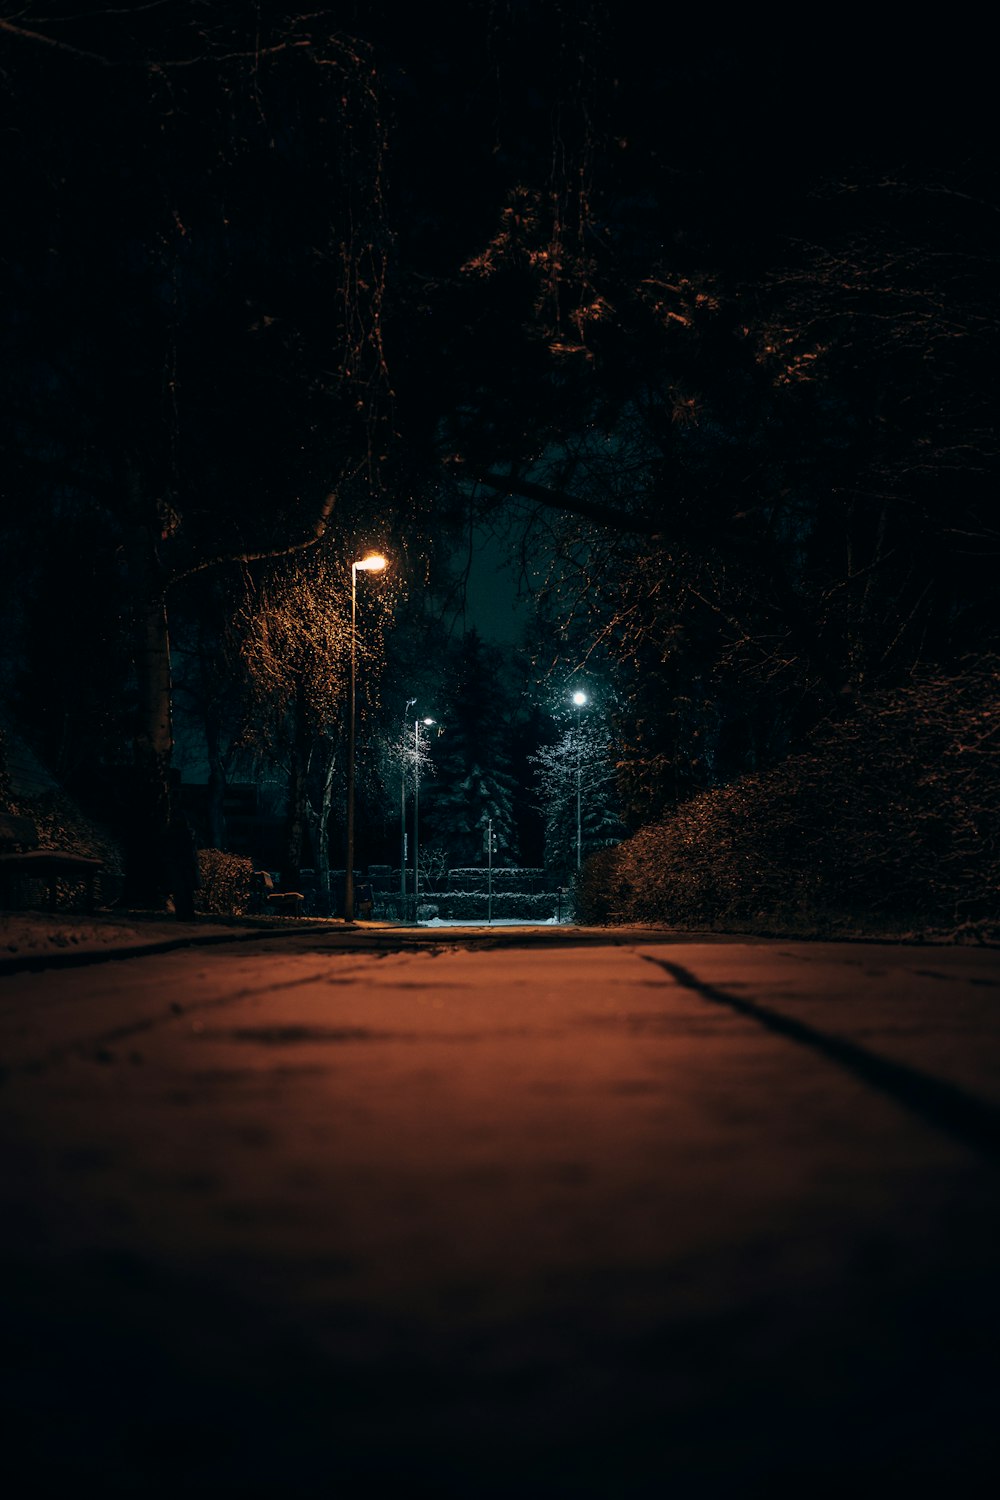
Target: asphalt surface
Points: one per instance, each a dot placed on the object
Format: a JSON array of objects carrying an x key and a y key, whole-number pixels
[{"x": 531, "y": 1214}]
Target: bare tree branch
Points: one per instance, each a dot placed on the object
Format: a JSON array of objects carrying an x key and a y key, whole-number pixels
[
  {"x": 241, "y": 555},
  {"x": 603, "y": 515}
]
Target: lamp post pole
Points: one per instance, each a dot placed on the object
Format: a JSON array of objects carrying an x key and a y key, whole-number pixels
[
  {"x": 489, "y": 868},
  {"x": 416, "y": 814},
  {"x": 579, "y": 699},
  {"x": 349, "y": 861},
  {"x": 373, "y": 564}
]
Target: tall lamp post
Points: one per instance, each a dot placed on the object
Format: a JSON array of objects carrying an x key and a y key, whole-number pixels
[
  {"x": 579, "y": 699},
  {"x": 373, "y": 563},
  {"x": 416, "y": 811}
]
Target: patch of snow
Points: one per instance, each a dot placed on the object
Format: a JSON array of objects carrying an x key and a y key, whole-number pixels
[
  {"x": 498, "y": 922},
  {"x": 25, "y": 934}
]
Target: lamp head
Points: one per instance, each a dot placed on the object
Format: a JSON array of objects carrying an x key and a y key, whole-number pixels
[
  {"x": 373, "y": 563},
  {"x": 579, "y": 699}
]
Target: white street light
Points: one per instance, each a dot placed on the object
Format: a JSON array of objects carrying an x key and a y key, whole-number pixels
[
  {"x": 373, "y": 563},
  {"x": 416, "y": 811},
  {"x": 579, "y": 699}
]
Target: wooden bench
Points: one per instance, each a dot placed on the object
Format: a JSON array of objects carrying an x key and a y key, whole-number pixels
[
  {"x": 286, "y": 903},
  {"x": 263, "y": 897},
  {"x": 21, "y": 859}
]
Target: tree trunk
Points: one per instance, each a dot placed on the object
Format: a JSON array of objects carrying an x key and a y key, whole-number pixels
[
  {"x": 216, "y": 789},
  {"x": 318, "y": 822},
  {"x": 291, "y": 867},
  {"x": 147, "y": 879},
  {"x": 323, "y": 835}
]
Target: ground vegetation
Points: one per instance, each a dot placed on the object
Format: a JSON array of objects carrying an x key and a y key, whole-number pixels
[{"x": 887, "y": 821}]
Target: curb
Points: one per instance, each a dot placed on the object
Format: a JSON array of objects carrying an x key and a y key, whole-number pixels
[
  {"x": 36, "y": 961},
  {"x": 495, "y": 937}
]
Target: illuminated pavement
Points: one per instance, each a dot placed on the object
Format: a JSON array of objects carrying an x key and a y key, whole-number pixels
[{"x": 574, "y": 1215}]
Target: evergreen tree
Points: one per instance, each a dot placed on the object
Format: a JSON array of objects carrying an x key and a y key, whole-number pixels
[{"x": 474, "y": 785}]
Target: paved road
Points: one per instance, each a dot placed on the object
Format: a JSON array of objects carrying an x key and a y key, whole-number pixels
[{"x": 573, "y": 1217}]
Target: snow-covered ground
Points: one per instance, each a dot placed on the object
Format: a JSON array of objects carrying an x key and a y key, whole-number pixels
[
  {"x": 498, "y": 922},
  {"x": 28, "y": 934},
  {"x": 23, "y": 934}
]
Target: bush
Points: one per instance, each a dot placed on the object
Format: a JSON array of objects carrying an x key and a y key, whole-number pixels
[
  {"x": 599, "y": 893},
  {"x": 61, "y": 824},
  {"x": 473, "y": 906},
  {"x": 890, "y": 819},
  {"x": 225, "y": 883}
]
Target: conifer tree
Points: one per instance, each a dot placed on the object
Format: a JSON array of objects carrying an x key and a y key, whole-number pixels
[{"x": 474, "y": 785}]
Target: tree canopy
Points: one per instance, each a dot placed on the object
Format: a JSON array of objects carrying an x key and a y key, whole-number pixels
[{"x": 706, "y": 327}]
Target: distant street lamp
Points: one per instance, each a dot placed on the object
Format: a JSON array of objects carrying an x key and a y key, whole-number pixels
[
  {"x": 579, "y": 699},
  {"x": 416, "y": 811},
  {"x": 374, "y": 563}
]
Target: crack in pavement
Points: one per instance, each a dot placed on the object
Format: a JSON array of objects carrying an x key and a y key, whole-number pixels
[{"x": 942, "y": 1105}]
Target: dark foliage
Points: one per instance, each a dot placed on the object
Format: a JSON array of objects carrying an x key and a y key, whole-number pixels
[
  {"x": 471, "y": 784},
  {"x": 225, "y": 883},
  {"x": 888, "y": 821},
  {"x": 709, "y": 326}
]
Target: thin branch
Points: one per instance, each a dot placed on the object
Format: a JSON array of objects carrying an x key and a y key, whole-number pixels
[
  {"x": 50, "y": 41},
  {"x": 243, "y": 556},
  {"x": 604, "y": 515},
  {"x": 252, "y": 55}
]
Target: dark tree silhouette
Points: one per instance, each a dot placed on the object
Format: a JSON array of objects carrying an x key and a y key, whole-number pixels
[
  {"x": 472, "y": 782},
  {"x": 196, "y": 266}
]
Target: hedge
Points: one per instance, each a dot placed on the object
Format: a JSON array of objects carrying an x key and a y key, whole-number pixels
[
  {"x": 225, "y": 883},
  {"x": 473, "y": 906},
  {"x": 459, "y": 906},
  {"x": 888, "y": 820}
]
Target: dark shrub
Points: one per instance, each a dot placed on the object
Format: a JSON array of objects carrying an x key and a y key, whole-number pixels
[
  {"x": 890, "y": 819},
  {"x": 225, "y": 883},
  {"x": 474, "y": 906}
]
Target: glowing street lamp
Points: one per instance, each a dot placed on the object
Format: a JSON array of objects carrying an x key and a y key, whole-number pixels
[
  {"x": 579, "y": 699},
  {"x": 373, "y": 563}
]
